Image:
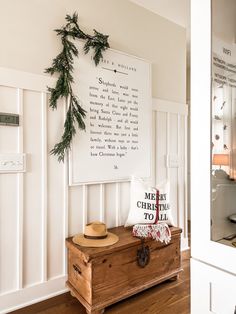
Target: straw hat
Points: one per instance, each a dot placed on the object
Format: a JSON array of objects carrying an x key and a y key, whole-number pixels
[{"x": 95, "y": 235}]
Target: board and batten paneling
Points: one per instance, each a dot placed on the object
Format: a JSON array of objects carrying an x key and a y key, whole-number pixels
[
  {"x": 170, "y": 157},
  {"x": 38, "y": 209}
]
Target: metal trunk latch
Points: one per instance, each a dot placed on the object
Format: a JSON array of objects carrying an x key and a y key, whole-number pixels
[{"x": 143, "y": 255}]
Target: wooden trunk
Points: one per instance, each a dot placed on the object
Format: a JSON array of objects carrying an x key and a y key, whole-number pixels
[{"x": 98, "y": 277}]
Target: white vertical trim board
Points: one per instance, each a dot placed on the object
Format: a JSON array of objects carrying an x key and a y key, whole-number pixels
[
  {"x": 178, "y": 169},
  {"x": 20, "y": 185},
  {"x": 154, "y": 147},
  {"x": 66, "y": 202},
  {"x": 167, "y": 143},
  {"x": 85, "y": 205},
  {"x": 174, "y": 163},
  {"x": 186, "y": 195},
  {"x": 102, "y": 202},
  {"x": 118, "y": 209},
  {"x": 44, "y": 186}
]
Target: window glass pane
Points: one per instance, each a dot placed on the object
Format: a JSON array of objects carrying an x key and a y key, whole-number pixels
[{"x": 223, "y": 107}]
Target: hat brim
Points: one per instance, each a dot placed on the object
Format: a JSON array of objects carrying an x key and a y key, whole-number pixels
[{"x": 109, "y": 240}]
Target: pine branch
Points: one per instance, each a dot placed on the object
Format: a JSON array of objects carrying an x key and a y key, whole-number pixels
[
  {"x": 69, "y": 131},
  {"x": 99, "y": 43},
  {"x": 74, "y": 114},
  {"x": 63, "y": 65}
]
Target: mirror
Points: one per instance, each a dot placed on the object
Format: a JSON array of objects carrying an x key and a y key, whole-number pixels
[{"x": 223, "y": 123}]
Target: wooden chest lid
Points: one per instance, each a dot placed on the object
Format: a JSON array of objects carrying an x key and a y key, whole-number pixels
[{"x": 126, "y": 240}]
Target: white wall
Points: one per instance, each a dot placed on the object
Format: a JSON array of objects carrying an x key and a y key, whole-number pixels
[
  {"x": 37, "y": 210},
  {"x": 28, "y": 42}
]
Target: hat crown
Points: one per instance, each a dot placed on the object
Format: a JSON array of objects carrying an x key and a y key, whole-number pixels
[
  {"x": 95, "y": 229},
  {"x": 95, "y": 235}
]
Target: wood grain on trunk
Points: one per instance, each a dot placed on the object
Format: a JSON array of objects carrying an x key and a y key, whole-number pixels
[{"x": 99, "y": 277}]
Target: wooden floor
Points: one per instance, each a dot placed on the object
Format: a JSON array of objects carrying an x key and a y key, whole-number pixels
[{"x": 166, "y": 298}]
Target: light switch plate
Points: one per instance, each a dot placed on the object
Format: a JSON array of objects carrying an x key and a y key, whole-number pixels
[
  {"x": 10, "y": 163},
  {"x": 173, "y": 161}
]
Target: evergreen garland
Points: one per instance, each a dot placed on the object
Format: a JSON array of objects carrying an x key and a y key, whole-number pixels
[{"x": 63, "y": 65}]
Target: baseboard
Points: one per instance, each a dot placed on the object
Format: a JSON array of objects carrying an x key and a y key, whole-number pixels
[
  {"x": 184, "y": 244},
  {"x": 34, "y": 294}
]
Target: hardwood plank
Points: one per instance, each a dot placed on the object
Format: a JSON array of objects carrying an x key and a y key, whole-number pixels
[{"x": 55, "y": 302}]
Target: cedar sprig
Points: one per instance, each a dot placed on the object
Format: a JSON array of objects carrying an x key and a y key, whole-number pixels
[
  {"x": 75, "y": 113},
  {"x": 62, "y": 65}
]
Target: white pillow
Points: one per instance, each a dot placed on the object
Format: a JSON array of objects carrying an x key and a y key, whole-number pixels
[{"x": 147, "y": 201}]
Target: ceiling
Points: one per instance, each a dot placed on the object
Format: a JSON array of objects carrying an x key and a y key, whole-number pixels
[{"x": 177, "y": 11}]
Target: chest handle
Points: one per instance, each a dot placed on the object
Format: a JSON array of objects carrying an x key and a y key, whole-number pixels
[{"x": 77, "y": 269}]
